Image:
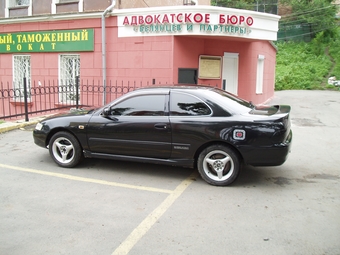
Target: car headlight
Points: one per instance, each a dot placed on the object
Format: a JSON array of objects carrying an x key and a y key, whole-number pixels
[{"x": 39, "y": 126}]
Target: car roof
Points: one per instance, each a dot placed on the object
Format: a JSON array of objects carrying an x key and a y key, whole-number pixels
[
  {"x": 232, "y": 107},
  {"x": 163, "y": 89},
  {"x": 176, "y": 86}
]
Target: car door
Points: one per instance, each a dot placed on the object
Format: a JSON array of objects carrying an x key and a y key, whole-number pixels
[
  {"x": 137, "y": 126},
  {"x": 190, "y": 122}
]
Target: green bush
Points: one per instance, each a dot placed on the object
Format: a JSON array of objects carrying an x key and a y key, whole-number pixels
[{"x": 301, "y": 65}]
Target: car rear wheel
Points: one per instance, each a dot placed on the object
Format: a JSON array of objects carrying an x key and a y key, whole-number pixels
[
  {"x": 218, "y": 165},
  {"x": 65, "y": 149}
]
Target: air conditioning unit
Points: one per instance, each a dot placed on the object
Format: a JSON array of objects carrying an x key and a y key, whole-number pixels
[
  {"x": 22, "y": 2},
  {"x": 190, "y": 2}
]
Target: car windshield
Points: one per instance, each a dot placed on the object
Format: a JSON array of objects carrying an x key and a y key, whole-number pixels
[{"x": 230, "y": 102}]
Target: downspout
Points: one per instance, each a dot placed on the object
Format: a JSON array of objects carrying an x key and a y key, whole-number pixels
[{"x": 108, "y": 9}]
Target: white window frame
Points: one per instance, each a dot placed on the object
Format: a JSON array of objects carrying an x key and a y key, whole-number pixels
[
  {"x": 260, "y": 74},
  {"x": 64, "y": 96},
  {"x": 18, "y": 76},
  {"x": 56, "y": 2},
  {"x": 12, "y": 4}
]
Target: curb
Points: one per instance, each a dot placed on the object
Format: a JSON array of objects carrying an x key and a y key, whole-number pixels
[
  {"x": 9, "y": 126},
  {"x": 5, "y": 127}
]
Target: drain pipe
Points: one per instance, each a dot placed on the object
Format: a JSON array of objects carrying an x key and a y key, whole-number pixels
[{"x": 108, "y": 9}]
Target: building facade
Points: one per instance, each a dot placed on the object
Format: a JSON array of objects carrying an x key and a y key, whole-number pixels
[{"x": 149, "y": 42}]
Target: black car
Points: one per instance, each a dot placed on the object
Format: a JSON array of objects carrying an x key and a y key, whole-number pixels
[{"x": 190, "y": 126}]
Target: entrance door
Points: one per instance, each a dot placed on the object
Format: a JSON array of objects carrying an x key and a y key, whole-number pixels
[{"x": 230, "y": 72}]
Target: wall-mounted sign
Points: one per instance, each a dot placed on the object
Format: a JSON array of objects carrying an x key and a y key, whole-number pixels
[
  {"x": 197, "y": 20},
  {"x": 209, "y": 67},
  {"x": 47, "y": 41}
]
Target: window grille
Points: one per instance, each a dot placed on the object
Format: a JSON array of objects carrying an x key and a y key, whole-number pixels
[
  {"x": 69, "y": 71},
  {"x": 21, "y": 70}
]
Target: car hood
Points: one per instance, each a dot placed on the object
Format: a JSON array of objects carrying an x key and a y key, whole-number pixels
[{"x": 71, "y": 113}]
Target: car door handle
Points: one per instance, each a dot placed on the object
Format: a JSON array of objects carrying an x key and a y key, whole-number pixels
[{"x": 161, "y": 126}]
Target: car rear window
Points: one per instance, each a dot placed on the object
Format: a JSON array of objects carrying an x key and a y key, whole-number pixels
[
  {"x": 229, "y": 102},
  {"x": 182, "y": 104}
]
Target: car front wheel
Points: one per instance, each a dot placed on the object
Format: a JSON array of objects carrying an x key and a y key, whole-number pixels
[
  {"x": 65, "y": 150},
  {"x": 218, "y": 165}
]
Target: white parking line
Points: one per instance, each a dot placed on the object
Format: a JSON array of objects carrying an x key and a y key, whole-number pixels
[
  {"x": 83, "y": 179},
  {"x": 153, "y": 217},
  {"x": 147, "y": 223}
]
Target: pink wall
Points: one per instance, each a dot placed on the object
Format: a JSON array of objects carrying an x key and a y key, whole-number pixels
[{"x": 138, "y": 59}]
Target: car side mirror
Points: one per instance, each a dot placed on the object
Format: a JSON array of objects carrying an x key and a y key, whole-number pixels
[{"x": 106, "y": 112}]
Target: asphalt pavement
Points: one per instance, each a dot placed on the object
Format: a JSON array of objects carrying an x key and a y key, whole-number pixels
[{"x": 112, "y": 207}]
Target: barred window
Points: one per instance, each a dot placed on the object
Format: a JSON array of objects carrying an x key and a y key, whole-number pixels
[
  {"x": 21, "y": 71},
  {"x": 69, "y": 72}
]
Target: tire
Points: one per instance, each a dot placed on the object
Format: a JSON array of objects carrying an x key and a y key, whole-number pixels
[
  {"x": 65, "y": 149},
  {"x": 218, "y": 165}
]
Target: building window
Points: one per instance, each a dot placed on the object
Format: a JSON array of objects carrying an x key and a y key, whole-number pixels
[
  {"x": 69, "y": 72},
  {"x": 60, "y": 2},
  {"x": 21, "y": 71},
  {"x": 16, "y": 4},
  {"x": 260, "y": 74}
]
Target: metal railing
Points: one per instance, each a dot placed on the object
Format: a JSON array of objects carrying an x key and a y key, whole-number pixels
[{"x": 46, "y": 97}]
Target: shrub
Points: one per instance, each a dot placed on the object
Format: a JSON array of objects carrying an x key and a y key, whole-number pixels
[{"x": 301, "y": 65}]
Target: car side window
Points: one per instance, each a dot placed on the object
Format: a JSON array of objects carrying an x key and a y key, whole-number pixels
[
  {"x": 187, "y": 105},
  {"x": 144, "y": 105}
]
